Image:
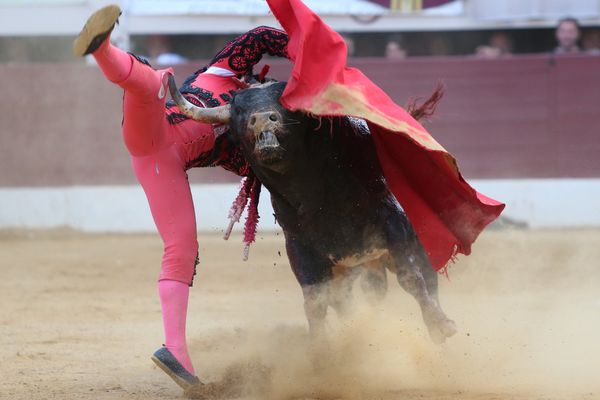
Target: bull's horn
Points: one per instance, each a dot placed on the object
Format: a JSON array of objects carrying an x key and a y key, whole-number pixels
[{"x": 215, "y": 115}]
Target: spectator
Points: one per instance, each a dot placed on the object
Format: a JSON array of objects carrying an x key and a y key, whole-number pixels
[
  {"x": 394, "y": 49},
  {"x": 568, "y": 34},
  {"x": 350, "y": 44},
  {"x": 499, "y": 45},
  {"x": 591, "y": 42},
  {"x": 160, "y": 54},
  {"x": 440, "y": 46}
]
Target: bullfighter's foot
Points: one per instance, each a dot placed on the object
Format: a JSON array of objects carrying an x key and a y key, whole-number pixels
[
  {"x": 95, "y": 31},
  {"x": 166, "y": 361},
  {"x": 440, "y": 328}
]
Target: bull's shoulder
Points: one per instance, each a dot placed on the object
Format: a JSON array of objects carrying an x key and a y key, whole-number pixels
[
  {"x": 355, "y": 139},
  {"x": 358, "y": 150}
]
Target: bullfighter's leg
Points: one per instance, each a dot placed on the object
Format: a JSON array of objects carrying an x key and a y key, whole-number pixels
[
  {"x": 407, "y": 253},
  {"x": 144, "y": 122},
  {"x": 168, "y": 192},
  {"x": 313, "y": 273}
]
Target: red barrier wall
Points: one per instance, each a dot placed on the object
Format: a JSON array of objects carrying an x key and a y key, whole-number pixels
[{"x": 520, "y": 117}]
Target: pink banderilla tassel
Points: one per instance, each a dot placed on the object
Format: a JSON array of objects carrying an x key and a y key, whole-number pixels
[
  {"x": 237, "y": 208},
  {"x": 252, "y": 218}
]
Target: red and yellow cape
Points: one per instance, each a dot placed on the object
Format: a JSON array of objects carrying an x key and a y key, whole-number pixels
[{"x": 446, "y": 212}]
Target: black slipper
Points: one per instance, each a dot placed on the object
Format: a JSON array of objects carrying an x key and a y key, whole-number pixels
[
  {"x": 168, "y": 363},
  {"x": 96, "y": 29}
]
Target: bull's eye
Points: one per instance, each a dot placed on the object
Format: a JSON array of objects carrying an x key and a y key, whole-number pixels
[
  {"x": 252, "y": 120},
  {"x": 273, "y": 117}
]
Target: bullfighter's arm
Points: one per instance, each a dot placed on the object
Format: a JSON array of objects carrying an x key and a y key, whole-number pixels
[{"x": 245, "y": 51}]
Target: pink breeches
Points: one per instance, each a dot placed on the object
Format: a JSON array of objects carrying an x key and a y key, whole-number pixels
[
  {"x": 160, "y": 153},
  {"x": 165, "y": 183}
]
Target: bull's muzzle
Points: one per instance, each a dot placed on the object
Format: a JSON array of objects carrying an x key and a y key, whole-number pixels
[
  {"x": 267, "y": 139},
  {"x": 264, "y": 125}
]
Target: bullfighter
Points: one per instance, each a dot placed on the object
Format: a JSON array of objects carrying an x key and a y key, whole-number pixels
[{"x": 163, "y": 144}]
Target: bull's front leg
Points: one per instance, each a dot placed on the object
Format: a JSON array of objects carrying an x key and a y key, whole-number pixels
[
  {"x": 314, "y": 273},
  {"x": 315, "y": 309}
]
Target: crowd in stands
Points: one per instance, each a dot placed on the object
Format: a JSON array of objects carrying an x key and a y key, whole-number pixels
[
  {"x": 569, "y": 36},
  {"x": 569, "y": 40}
]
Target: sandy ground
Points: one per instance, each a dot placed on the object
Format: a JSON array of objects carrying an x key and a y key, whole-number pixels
[{"x": 80, "y": 318}]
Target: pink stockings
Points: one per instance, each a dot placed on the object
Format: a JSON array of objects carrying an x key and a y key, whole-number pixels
[{"x": 174, "y": 301}]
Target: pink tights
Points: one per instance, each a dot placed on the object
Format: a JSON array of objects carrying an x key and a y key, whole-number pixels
[{"x": 159, "y": 155}]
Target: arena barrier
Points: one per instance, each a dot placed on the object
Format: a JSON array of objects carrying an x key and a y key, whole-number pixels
[{"x": 524, "y": 129}]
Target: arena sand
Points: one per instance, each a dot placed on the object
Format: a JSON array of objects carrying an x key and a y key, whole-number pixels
[{"x": 80, "y": 318}]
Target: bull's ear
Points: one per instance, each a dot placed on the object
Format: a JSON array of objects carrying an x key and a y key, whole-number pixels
[{"x": 216, "y": 115}]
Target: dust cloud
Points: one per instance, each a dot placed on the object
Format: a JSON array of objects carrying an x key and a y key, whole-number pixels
[{"x": 528, "y": 322}]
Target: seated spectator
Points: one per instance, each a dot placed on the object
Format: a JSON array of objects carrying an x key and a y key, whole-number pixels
[
  {"x": 591, "y": 42},
  {"x": 394, "y": 49},
  {"x": 350, "y": 44},
  {"x": 440, "y": 46},
  {"x": 568, "y": 34},
  {"x": 160, "y": 53},
  {"x": 500, "y": 45}
]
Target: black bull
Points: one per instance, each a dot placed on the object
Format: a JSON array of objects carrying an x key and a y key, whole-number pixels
[{"x": 332, "y": 201}]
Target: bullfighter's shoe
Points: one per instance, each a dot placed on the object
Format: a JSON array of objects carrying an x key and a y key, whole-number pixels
[
  {"x": 95, "y": 31},
  {"x": 168, "y": 363}
]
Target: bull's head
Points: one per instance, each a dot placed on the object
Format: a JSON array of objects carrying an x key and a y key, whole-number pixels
[{"x": 268, "y": 134}]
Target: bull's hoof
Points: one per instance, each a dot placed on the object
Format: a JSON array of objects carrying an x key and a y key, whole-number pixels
[{"x": 442, "y": 330}]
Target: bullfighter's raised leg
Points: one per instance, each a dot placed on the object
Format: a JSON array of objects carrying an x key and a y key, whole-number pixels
[
  {"x": 144, "y": 122},
  {"x": 406, "y": 250}
]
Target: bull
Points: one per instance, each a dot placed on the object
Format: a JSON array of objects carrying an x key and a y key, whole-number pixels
[{"x": 332, "y": 201}]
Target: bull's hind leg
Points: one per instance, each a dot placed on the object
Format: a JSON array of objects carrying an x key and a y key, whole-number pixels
[
  {"x": 411, "y": 264},
  {"x": 315, "y": 309},
  {"x": 440, "y": 327},
  {"x": 429, "y": 274}
]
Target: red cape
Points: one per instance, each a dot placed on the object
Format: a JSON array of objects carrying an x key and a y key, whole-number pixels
[{"x": 446, "y": 212}]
